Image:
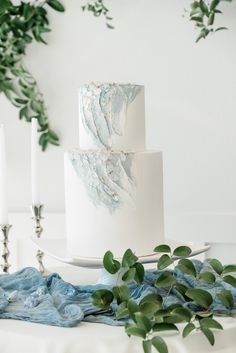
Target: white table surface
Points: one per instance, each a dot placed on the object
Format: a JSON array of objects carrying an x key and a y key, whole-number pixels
[{"x": 25, "y": 337}]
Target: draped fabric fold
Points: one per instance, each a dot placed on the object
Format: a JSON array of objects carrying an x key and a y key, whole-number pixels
[{"x": 27, "y": 295}]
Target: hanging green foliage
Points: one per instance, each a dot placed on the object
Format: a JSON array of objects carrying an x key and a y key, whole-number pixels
[
  {"x": 202, "y": 12},
  {"x": 20, "y": 25}
]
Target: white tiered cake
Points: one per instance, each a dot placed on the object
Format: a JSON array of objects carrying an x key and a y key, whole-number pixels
[{"x": 113, "y": 187}]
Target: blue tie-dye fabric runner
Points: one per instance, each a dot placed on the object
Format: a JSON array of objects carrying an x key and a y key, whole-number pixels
[{"x": 26, "y": 295}]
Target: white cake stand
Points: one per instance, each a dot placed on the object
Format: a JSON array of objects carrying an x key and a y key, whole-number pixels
[{"x": 57, "y": 249}]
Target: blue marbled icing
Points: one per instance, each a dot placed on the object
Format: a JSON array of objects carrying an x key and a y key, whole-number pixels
[
  {"x": 107, "y": 176},
  {"x": 103, "y": 110}
]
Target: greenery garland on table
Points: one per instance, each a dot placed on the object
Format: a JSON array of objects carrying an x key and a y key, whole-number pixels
[
  {"x": 152, "y": 314},
  {"x": 23, "y": 23}
]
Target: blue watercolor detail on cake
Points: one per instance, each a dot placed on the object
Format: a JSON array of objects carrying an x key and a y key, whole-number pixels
[
  {"x": 107, "y": 176},
  {"x": 103, "y": 109}
]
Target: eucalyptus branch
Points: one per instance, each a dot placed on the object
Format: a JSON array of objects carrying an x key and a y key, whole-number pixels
[
  {"x": 20, "y": 25},
  {"x": 203, "y": 13},
  {"x": 98, "y": 9}
]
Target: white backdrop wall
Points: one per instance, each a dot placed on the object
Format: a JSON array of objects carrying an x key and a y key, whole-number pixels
[{"x": 190, "y": 102}]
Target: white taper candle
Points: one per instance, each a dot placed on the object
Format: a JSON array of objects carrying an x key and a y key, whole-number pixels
[
  {"x": 3, "y": 179},
  {"x": 35, "y": 163}
]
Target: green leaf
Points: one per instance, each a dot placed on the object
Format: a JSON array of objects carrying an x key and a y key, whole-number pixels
[
  {"x": 132, "y": 308},
  {"x": 152, "y": 298},
  {"x": 164, "y": 262},
  {"x": 226, "y": 298},
  {"x": 186, "y": 266},
  {"x": 230, "y": 280},
  {"x": 211, "y": 19},
  {"x": 109, "y": 26},
  {"x": 4, "y": 5},
  {"x": 182, "y": 251},
  {"x": 149, "y": 309},
  {"x": 129, "y": 275},
  {"x": 166, "y": 279},
  {"x": 139, "y": 274},
  {"x": 196, "y": 18},
  {"x": 174, "y": 306},
  {"x": 122, "y": 311},
  {"x": 197, "y": 12},
  {"x": 21, "y": 101},
  {"x": 102, "y": 298},
  {"x": 53, "y": 135},
  {"x": 210, "y": 323},
  {"x": 159, "y": 344},
  {"x": 24, "y": 113},
  {"x": 110, "y": 264},
  {"x": 28, "y": 11},
  {"x": 221, "y": 29},
  {"x": 150, "y": 304},
  {"x": 183, "y": 313},
  {"x": 201, "y": 314},
  {"x": 214, "y": 4},
  {"x": 203, "y": 34},
  {"x": 56, "y": 5},
  {"x": 161, "y": 314},
  {"x": 143, "y": 322},
  {"x": 162, "y": 248},
  {"x": 135, "y": 331},
  {"x": 147, "y": 346},
  {"x": 204, "y": 7},
  {"x": 163, "y": 326},
  {"x": 129, "y": 258},
  {"x": 195, "y": 5},
  {"x": 228, "y": 269},
  {"x": 217, "y": 266},
  {"x": 121, "y": 293},
  {"x": 181, "y": 288},
  {"x": 188, "y": 329},
  {"x": 43, "y": 138},
  {"x": 207, "y": 277},
  {"x": 6, "y": 85},
  {"x": 27, "y": 92},
  {"x": 36, "y": 106},
  {"x": 200, "y": 296},
  {"x": 208, "y": 334},
  {"x": 44, "y": 143},
  {"x": 53, "y": 142}
]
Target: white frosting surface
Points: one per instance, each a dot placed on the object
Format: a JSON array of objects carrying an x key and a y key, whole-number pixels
[
  {"x": 113, "y": 190},
  {"x": 136, "y": 222},
  {"x": 112, "y": 116}
]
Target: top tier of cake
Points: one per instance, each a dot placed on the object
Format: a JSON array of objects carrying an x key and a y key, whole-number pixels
[{"x": 112, "y": 116}]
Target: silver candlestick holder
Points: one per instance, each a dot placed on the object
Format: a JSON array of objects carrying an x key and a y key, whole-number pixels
[
  {"x": 5, "y": 228},
  {"x": 36, "y": 211}
]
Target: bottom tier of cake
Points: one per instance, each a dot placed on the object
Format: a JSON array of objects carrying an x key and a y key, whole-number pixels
[{"x": 114, "y": 201}]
